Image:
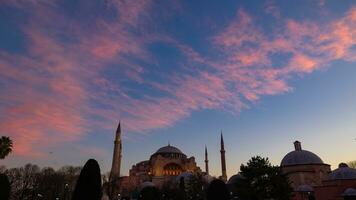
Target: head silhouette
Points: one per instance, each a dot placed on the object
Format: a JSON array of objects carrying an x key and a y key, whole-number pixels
[
  {"x": 217, "y": 190},
  {"x": 89, "y": 182},
  {"x": 149, "y": 193}
]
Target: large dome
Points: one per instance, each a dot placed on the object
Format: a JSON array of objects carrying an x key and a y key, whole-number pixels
[
  {"x": 300, "y": 157},
  {"x": 168, "y": 149}
]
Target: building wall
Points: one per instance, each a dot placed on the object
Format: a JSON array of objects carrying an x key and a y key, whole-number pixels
[
  {"x": 333, "y": 189},
  {"x": 312, "y": 175}
]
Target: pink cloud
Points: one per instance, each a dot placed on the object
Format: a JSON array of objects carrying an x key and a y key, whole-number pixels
[
  {"x": 303, "y": 64},
  {"x": 51, "y": 90}
]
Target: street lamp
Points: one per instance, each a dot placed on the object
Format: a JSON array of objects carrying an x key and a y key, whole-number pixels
[{"x": 66, "y": 191}]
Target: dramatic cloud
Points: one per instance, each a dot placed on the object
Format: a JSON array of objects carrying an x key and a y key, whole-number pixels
[{"x": 76, "y": 76}]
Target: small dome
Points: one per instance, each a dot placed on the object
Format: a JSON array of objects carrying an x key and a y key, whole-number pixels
[
  {"x": 343, "y": 172},
  {"x": 207, "y": 178},
  {"x": 147, "y": 184},
  {"x": 233, "y": 179},
  {"x": 185, "y": 175},
  {"x": 305, "y": 188},
  {"x": 300, "y": 157},
  {"x": 168, "y": 149},
  {"x": 349, "y": 192}
]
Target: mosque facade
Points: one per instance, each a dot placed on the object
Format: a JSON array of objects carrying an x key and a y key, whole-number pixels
[{"x": 163, "y": 166}]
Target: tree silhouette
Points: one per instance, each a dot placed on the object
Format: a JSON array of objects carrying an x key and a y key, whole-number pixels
[
  {"x": 5, "y": 146},
  {"x": 262, "y": 181},
  {"x": 88, "y": 186},
  {"x": 352, "y": 164}
]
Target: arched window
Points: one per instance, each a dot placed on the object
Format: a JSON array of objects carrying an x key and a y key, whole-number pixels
[{"x": 172, "y": 169}]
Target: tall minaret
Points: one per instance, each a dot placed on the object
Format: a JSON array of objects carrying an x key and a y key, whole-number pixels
[
  {"x": 116, "y": 160},
  {"x": 223, "y": 162},
  {"x": 206, "y": 161}
]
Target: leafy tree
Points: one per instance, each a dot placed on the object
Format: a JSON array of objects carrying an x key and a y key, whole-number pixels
[
  {"x": 88, "y": 186},
  {"x": 262, "y": 181},
  {"x": 5, "y": 146},
  {"x": 352, "y": 164}
]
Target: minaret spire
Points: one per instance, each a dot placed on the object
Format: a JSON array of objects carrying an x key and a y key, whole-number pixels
[
  {"x": 206, "y": 161},
  {"x": 116, "y": 160},
  {"x": 223, "y": 162}
]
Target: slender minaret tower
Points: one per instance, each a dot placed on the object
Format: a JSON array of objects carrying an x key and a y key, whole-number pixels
[
  {"x": 223, "y": 162},
  {"x": 116, "y": 160},
  {"x": 206, "y": 161}
]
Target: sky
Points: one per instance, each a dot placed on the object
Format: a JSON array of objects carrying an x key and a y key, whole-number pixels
[{"x": 265, "y": 73}]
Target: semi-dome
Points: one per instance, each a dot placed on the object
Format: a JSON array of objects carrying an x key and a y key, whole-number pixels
[
  {"x": 300, "y": 157},
  {"x": 207, "y": 178},
  {"x": 343, "y": 172},
  {"x": 147, "y": 184},
  {"x": 305, "y": 188},
  {"x": 349, "y": 192},
  {"x": 185, "y": 175},
  {"x": 235, "y": 178}
]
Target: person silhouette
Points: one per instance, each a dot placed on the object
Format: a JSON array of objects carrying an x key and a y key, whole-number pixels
[
  {"x": 149, "y": 193},
  {"x": 217, "y": 190},
  {"x": 4, "y": 187},
  {"x": 88, "y": 185}
]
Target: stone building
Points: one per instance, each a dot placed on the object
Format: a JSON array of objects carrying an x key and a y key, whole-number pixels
[
  {"x": 311, "y": 178},
  {"x": 304, "y": 168}
]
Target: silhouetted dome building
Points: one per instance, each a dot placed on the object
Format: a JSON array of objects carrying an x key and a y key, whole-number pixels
[
  {"x": 304, "y": 168},
  {"x": 311, "y": 177},
  {"x": 343, "y": 172},
  {"x": 339, "y": 185}
]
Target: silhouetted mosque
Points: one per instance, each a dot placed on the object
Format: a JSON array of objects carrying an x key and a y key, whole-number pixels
[
  {"x": 310, "y": 177},
  {"x": 163, "y": 166}
]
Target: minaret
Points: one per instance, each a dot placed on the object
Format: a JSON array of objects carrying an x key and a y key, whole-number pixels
[
  {"x": 223, "y": 162},
  {"x": 116, "y": 160},
  {"x": 206, "y": 161}
]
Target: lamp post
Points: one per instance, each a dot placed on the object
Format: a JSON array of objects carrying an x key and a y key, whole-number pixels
[{"x": 65, "y": 196}]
